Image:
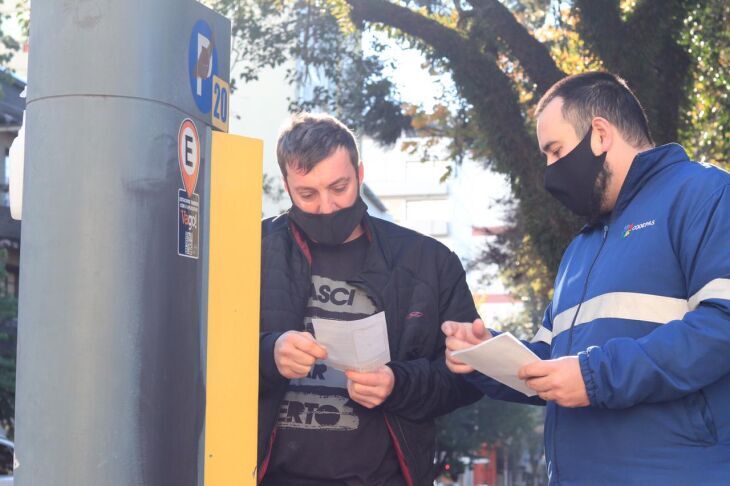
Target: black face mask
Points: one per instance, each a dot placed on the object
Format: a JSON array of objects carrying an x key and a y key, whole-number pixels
[
  {"x": 333, "y": 228},
  {"x": 573, "y": 179}
]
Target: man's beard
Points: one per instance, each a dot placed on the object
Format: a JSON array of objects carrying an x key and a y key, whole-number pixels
[{"x": 599, "y": 196}]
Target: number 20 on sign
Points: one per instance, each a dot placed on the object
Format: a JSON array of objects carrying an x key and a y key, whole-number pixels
[{"x": 221, "y": 97}]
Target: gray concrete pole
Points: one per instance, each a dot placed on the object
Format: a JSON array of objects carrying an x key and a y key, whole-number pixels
[{"x": 110, "y": 386}]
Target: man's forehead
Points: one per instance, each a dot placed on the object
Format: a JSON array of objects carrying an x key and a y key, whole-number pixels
[
  {"x": 552, "y": 125},
  {"x": 551, "y": 114},
  {"x": 323, "y": 174}
]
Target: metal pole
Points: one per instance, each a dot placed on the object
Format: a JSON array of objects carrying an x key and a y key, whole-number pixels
[{"x": 111, "y": 351}]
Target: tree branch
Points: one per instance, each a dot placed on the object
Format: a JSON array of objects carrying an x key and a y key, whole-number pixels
[
  {"x": 532, "y": 54},
  {"x": 463, "y": 14},
  {"x": 498, "y": 112},
  {"x": 481, "y": 81},
  {"x": 611, "y": 38},
  {"x": 657, "y": 67},
  {"x": 655, "y": 26},
  {"x": 645, "y": 14},
  {"x": 411, "y": 23},
  {"x": 601, "y": 26}
]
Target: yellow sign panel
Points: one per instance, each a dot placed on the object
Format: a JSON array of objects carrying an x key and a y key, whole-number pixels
[
  {"x": 221, "y": 99},
  {"x": 233, "y": 310}
]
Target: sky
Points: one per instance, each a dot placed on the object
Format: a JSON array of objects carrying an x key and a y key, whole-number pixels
[
  {"x": 480, "y": 189},
  {"x": 415, "y": 84}
]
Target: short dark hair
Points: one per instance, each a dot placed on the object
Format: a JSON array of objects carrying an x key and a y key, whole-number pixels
[
  {"x": 603, "y": 94},
  {"x": 310, "y": 138}
]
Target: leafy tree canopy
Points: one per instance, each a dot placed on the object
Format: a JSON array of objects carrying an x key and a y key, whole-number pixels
[{"x": 502, "y": 56}]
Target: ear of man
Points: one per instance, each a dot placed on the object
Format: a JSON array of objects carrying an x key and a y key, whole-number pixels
[{"x": 603, "y": 135}]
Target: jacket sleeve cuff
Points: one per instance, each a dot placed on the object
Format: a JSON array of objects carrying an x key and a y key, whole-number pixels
[
  {"x": 588, "y": 378},
  {"x": 268, "y": 371},
  {"x": 395, "y": 397}
]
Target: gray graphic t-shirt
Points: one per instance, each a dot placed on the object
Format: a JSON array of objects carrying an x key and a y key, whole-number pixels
[{"x": 323, "y": 436}]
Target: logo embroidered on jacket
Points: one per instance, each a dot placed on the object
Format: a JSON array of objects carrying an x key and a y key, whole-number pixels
[
  {"x": 630, "y": 228},
  {"x": 414, "y": 315}
]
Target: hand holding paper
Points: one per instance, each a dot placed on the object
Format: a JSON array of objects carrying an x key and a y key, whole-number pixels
[
  {"x": 360, "y": 345},
  {"x": 557, "y": 380},
  {"x": 462, "y": 335},
  {"x": 295, "y": 353},
  {"x": 370, "y": 389},
  {"x": 501, "y": 359}
]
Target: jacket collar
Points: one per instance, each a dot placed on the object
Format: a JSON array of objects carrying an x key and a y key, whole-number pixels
[
  {"x": 644, "y": 167},
  {"x": 377, "y": 258}
]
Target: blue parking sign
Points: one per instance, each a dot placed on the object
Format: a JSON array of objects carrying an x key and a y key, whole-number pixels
[{"x": 202, "y": 64}]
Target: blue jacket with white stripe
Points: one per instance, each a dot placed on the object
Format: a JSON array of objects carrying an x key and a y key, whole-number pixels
[{"x": 644, "y": 301}]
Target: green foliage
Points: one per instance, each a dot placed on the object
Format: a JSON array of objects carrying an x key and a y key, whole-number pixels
[
  {"x": 501, "y": 57},
  {"x": 8, "y": 304},
  {"x": 8, "y": 316},
  {"x": 272, "y": 190},
  {"x": 706, "y": 118},
  {"x": 10, "y": 44},
  {"x": 463, "y": 432},
  {"x": 315, "y": 39}
]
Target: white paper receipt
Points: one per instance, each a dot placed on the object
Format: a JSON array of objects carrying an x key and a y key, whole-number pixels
[
  {"x": 500, "y": 358},
  {"x": 360, "y": 345}
]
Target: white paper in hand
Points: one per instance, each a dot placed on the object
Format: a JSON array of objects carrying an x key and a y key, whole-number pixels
[
  {"x": 500, "y": 358},
  {"x": 360, "y": 345}
]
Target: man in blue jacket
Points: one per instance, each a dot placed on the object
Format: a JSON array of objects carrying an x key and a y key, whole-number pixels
[{"x": 636, "y": 341}]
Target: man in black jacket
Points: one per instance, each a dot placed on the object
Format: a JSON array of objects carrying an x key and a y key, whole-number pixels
[{"x": 327, "y": 258}]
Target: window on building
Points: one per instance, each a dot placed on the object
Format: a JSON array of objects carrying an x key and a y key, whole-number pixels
[
  {"x": 429, "y": 216},
  {"x": 9, "y": 283},
  {"x": 5, "y": 179},
  {"x": 429, "y": 172}
]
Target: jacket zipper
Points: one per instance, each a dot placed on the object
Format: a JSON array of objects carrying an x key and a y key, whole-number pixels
[
  {"x": 267, "y": 459},
  {"x": 407, "y": 476},
  {"x": 399, "y": 451},
  {"x": 570, "y": 342}
]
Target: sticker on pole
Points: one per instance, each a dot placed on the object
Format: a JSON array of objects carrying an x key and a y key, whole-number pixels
[
  {"x": 188, "y": 203},
  {"x": 221, "y": 95},
  {"x": 188, "y": 154},
  {"x": 202, "y": 65},
  {"x": 188, "y": 224}
]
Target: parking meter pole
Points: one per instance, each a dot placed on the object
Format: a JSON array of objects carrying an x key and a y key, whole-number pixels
[{"x": 113, "y": 290}]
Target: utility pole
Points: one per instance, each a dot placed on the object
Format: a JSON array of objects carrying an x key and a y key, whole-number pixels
[{"x": 123, "y": 96}]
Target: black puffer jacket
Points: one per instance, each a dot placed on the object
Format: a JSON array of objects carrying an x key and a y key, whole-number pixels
[{"x": 419, "y": 283}]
